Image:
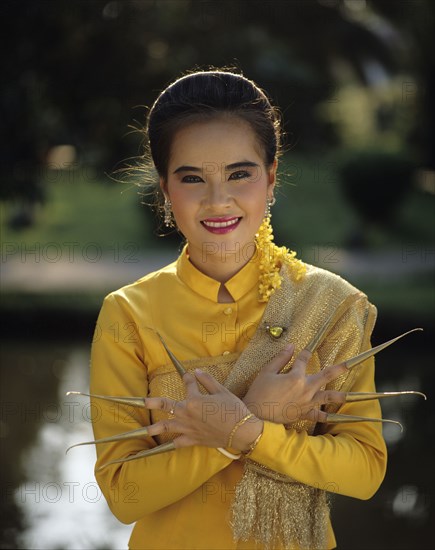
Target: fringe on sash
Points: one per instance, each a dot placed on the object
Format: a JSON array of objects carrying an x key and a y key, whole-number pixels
[{"x": 277, "y": 513}]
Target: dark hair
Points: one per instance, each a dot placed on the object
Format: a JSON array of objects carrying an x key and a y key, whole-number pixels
[
  {"x": 195, "y": 97},
  {"x": 205, "y": 95}
]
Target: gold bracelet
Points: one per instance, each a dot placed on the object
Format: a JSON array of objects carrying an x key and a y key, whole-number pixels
[
  {"x": 238, "y": 424},
  {"x": 252, "y": 445}
]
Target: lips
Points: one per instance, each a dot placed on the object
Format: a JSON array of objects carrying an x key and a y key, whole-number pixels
[{"x": 220, "y": 225}]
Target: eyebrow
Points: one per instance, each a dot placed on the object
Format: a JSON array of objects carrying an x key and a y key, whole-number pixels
[
  {"x": 241, "y": 164},
  {"x": 187, "y": 169}
]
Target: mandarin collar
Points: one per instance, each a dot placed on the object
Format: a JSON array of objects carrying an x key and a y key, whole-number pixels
[{"x": 239, "y": 284}]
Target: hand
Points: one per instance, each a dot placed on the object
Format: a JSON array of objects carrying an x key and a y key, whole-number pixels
[
  {"x": 205, "y": 420},
  {"x": 287, "y": 397}
]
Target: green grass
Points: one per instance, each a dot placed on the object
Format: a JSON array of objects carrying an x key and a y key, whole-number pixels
[
  {"x": 81, "y": 210},
  {"x": 310, "y": 209}
]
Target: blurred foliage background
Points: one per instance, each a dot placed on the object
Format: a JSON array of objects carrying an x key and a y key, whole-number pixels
[{"x": 355, "y": 80}]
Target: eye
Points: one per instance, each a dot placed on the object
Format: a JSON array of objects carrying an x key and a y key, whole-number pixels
[
  {"x": 191, "y": 179},
  {"x": 240, "y": 175}
]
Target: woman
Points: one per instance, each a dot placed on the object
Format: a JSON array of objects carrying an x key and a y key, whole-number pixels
[{"x": 262, "y": 336}]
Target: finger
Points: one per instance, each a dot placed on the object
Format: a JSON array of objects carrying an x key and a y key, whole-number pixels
[
  {"x": 209, "y": 382},
  {"x": 329, "y": 396},
  {"x": 301, "y": 361},
  {"x": 191, "y": 383},
  {"x": 280, "y": 360},
  {"x": 164, "y": 426},
  {"x": 328, "y": 374},
  {"x": 316, "y": 415},
  {"x": 160, "y": 403}
]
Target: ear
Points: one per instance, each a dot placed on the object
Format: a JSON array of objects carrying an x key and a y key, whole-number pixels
[
  {"x": 272, "y": 178},
  {"x": 163, "y": 186}
]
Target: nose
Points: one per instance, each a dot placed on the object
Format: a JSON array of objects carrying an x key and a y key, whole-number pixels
[{"x": 217, "y": 196}]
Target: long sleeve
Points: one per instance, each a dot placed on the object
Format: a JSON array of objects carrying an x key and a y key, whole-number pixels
[
  {"x": 345, "y": 458},
  {"x": 145, "y": 485}
]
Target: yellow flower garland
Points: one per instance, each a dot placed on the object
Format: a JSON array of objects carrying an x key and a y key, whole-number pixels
[{"x": 271, "y": 259}]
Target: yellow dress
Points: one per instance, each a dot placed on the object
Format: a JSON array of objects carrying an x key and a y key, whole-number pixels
[{"x": 181, "y": 499}]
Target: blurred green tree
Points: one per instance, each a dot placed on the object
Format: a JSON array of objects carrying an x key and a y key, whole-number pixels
[{"x": 80, "y": 68}]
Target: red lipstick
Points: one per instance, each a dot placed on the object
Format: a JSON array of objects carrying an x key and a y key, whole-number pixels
[{"x": 221, "y": 225}]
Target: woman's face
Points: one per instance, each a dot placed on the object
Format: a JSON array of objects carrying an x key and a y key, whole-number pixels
[{"x": 218, "y": 185}]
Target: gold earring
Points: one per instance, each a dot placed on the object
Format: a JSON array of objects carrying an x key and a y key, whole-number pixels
[
  {"x": 269, "y": 203},
  {"x": 167, "y": 208}
]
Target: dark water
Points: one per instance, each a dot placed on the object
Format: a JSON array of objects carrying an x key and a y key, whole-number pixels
[
  {"x": 50, "y": 500},
  {"x": 53, "y": 500}
]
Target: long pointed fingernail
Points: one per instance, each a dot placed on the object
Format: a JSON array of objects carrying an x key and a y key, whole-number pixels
[
  {"x": 346, "y": 418},
  {"x": 320, "y": 334},
  {"x": 367, "y": 396},
  {"x": 164, "y": 448},
  {"x": 354, "y": 361},
  {"x": 133, "y": 401},
  {"x": 141, "y": 432},
  {"x": 180, "y": 369}
]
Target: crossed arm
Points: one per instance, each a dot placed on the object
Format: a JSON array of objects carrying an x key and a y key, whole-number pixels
[
  {"x": 347, "y": 458},
  {"x": 274, "y": 397}
]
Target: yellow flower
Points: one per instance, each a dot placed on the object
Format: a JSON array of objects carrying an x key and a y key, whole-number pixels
[{"x": 272, "y": 257}]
